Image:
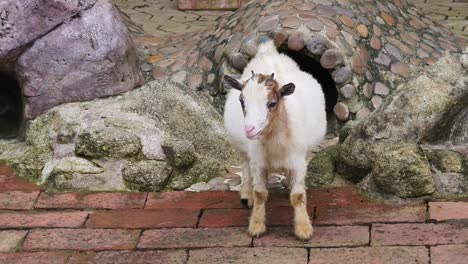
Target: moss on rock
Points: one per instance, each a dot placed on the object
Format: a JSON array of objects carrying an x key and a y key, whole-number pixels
[
  {"x": 446, "y": 160},
  {"x": 321, "y": 169},
  {"x": 146, "y": 175},
  {"x": 404, "y": 171},
  {"x": 202, "y": 170}
]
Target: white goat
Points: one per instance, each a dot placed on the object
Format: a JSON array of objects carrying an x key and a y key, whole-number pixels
[{"x": 274, "y": 115}]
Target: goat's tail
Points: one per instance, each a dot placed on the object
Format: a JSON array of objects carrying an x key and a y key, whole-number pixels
[{"x": 266, "y": 47}]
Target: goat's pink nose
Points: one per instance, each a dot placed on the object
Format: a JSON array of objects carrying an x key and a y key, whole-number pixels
[{"x": 249, "y": 129}]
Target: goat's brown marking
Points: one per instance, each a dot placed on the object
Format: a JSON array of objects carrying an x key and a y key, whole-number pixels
[
  {"x": 260, "y": 197},
  {"x": 297, "y": 199}
]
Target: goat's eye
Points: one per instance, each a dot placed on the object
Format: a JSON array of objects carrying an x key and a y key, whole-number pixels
[{"x": 271, "y": 105}]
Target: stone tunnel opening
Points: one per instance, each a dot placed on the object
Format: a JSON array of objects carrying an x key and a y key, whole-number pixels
[
  {"x": 322, "y": 75},
  {"x": 11, "y": 107}
]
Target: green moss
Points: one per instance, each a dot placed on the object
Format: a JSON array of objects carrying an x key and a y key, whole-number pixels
[
  {"x": 446, "y": 160},
  {"x": 146, "y": 175},
  {"x": 203, "y": 169},
  {"x": 321, "y": 169}
]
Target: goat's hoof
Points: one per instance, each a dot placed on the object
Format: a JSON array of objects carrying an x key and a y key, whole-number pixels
[
  {"x": 256, "y": 229},
  {"x": 246, "y": 203},
  {"x": 303, "y": 231}
]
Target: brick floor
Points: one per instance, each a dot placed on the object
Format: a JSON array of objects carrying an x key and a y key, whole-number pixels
[{"x": 182, "y": 227}]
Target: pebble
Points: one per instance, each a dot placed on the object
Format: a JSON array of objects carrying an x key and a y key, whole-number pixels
[
  {"x": 341, "y": 111},
  {"x": 347, "y": 91},
  {"x": 179, "y": 77},
  {"x": 296, "y": 41},
  {"x": 318, "y": 44},
  {"x": 376, "y": 101},
  {"x": 362, "y": 30},
  {"x": 291, "y": 22},
  {"x": 388, "y": 19},
  {"x": 145, "y": 67},
  {"x": 367, "y": 90},
  {"x": 383, "y": 60},
  {"x": 342, "y": 75},
  {"x": 375, "y": 42},
  {"x": 200, "y": 187},
  {"x": 194, "y": 80},
  {"x": 159, "y": 74},
  {"x": 347, "y": 21},
  {"x": 220, "y": 187},
  {"x": 216, "y": 180},
  {"x": 205, "y": 64},
  {"x": 331, "y": 58},
  {"x": 381, "y": 89},
  {"x": 269, "y": 24},
  {"x": 239, "y": 61},
  {"x": 314, "y": 25},
  {"x": 363, "y": 113},
  {"x": 280, "y": 38},
  {"x": 400, "y": 69}
]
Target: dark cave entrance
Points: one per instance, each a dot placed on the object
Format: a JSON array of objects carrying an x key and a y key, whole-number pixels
[
  {"x": 11, "y": 107},
  {"x": 323, "y": 76}
]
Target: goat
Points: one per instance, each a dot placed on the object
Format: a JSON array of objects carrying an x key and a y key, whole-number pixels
[{"x": 274, "y": 115}]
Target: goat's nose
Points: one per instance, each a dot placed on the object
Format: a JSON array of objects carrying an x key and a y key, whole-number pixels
[{"x": 249, "y": 129}]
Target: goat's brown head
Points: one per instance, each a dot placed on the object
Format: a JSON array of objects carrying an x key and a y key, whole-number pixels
[{"x": 261, "y": 100}]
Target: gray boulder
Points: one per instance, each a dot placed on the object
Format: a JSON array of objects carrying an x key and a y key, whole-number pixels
[{"x": 146, "y": 175}]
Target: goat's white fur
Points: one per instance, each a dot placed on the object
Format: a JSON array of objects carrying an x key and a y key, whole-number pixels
[{"x": 305, "y": 110}]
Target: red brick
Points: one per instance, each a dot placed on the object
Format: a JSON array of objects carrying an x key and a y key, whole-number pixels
[
  {"x": 81, "y": 239},
  {"x": 11, "y": 240},
  {"x": 17, "y": 200},
  {"x": 32, "y": 219},
  {"x": 284, "y": 216},
  {"x": 125, "y": 257},
  {"x": 453, "y": 254},
  {"x": 34, "y": 258},
  {"x": 194, "y": 238},
  {"x": 103, "y": 200},
  {"x": 324, "y": 236},
  {"x": 139, "y": 218},
  {"x": 418, "y": 234},
  {"x": 441, "y": 211},
  {"x": 368, "y": 213},
  {"x": 224, "y": 218},
  {"x": 334, "y": 196},
  {"x": 193, "y": 200},
  {"x": 9, "y": 182},
  {"x": 248, "y": 255},
  {"x": 369, "y": 255}
]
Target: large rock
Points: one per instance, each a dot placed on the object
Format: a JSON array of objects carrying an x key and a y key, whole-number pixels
[
  {"x": 404, "y": 171},
  {"x": 26, "y": 20},
  {"x": 410, "y": 114},
  {"x": 321, "y": 169},
  {"x": 147, "y": 175},
  {"x": 90, "y": 56}
]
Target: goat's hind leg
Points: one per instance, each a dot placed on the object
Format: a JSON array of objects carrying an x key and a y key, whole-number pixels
[
  {"x": 245, "y": 189},
  {"x": 302, "y": 226}
]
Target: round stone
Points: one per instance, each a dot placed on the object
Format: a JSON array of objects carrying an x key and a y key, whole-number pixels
[
  {"x": 269, "y": 24},
  {"x": 251, "y": 49},
  {"x": 218, "y": 53},
  {"x": 381, "y": 89},
  {"x": 400, "y": 69},
  {"x": 377, "y": 30},
  {"x": 280, "y": 38},
  {"x": 239, "y": 61},
  {"x": 145, "y": 67},
  {"x": 341, "y": 111},
  {"x": 159, "y": 74},
  {"x": 296, "y": 41},
  {"x": 205, "y": 64},
  {"x": 216, "y": 180},
  {"x": 211, "y": 77},
  {"x": 347, "y": 21},
  {"x": 359, "y": 61},
  {"x": 200, "y": 187},
  {"x": 347, "y": 91},
  {"x": 342, "y": 75},
  {"x": 314, "y": 25},
  {"x": 376, "y": 101},
  {"x": 318, "y": 44},
  {"x": 375, "y": 42},
  {"x": 383, "y": 60},
  {"x": 331, "y": 58},
  {"x": 291, "y": 22},
  {"x": 388, "y": 19},
  {"x": 362, "y": 30},
  {"x": 367, "y": 90},
  {"x": 179, "y": 77},
  {"x": 363, "y": 113},
  {"x": 194, "y": 80}
]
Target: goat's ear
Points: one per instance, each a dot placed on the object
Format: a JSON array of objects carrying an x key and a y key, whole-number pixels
[
  {"x": 232, "y": 83},
  {"x": 287, "y": 89}
]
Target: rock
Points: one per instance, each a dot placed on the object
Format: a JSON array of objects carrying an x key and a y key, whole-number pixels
[
  {"x": 404, "y": 171},
  {"x": 146, "y": 175},
  {"x": 367, "y": 90},
  {"x": 318, "y": 44},
  {"x": 347, "y": 91},
  {"x": 179, "y": 77},
  {"x": 359, "y": 61},
  {"x": 90, "y": 56},
  {"x": 180, "y": 153},
  {"x": 381, "y": 89},
  {"x": 239, "y": 61},
  {"x": 296, "y": 41},
  {"x": 362, "y": 30},
  {"x": 376, "y": 101},
  {"x": 459, "y": 126},
  {"x": 280, "y": 37},
  {"x": 220, "y": 187},
  {"x": 205, "y": 64},
  {"x": 321, "y": 169},
  {"x": 341, "y": 111},
  {"x": 331, "y": 58},
  {"x": 314, "y": 25},
  {"x": 446, "y": 160},
  {"x": 269, "y": 24},
  {"x": 215, "y": 181},
  {"x": 400, "y": 69},
  {"x": 347, "y": 21},
  {"x": 363, "y": 113},
  {"x": 388, "y": 19},
  {"x": 74, "y": 164},
  {"x": 375, "y": 42},
  {"x": 428, "y": 97},
  {"x": 200, "y": 187},
  {"x": 346, "y": 129},
  {"x": 383, "y": 60},
  {"x": 194, "y": 80},
  {"x": 342, "y": 75},
  {"x": 202, "y": 170},
  {"x": 107, "y": 142}
]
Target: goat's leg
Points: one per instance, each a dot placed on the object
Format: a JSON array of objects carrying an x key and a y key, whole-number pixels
[
  {"x": 260, "y": 194},
  {"x": 302, "y": 226},
  {"x": 246, "y": 185}
]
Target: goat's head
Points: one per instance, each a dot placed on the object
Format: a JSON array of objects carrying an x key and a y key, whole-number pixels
[{"x": 261, "y": 100}]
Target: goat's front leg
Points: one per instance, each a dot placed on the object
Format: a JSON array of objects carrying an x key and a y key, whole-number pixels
[
  {"x": 245, "y": 189},
  {"x": 302, "y": 226},
  {"x": 260, "y": 194}
]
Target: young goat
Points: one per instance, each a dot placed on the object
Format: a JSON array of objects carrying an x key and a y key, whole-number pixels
[{"x": 274, "y": 115}]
